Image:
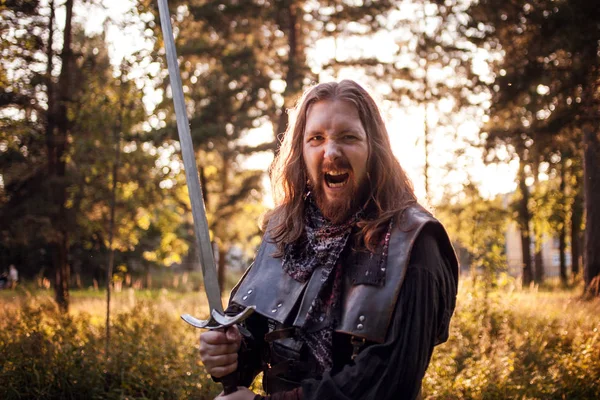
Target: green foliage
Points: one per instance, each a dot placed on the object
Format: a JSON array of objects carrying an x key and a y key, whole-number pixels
[
  {"x": 106, "y": 112},
  {"x": 506, "y": 344},
  {"x": 548, "y": 208},
  {"x": 544, "y": 101},
  {"x": 517, "y": 345},
  {"x": 477, "y": 226},
  {"x": 549, "y": 53},
  {"x": 22, "y": 117},
  {"x": 47, "y": 355}
]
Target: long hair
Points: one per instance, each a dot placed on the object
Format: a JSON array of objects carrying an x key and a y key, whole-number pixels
[{"x": 390, "y": 189}]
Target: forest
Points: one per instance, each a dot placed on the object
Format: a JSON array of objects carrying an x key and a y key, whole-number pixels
[{"x": 493, "y": 109}]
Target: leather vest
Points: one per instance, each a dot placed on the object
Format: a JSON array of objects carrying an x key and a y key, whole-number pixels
[{"x": 367, "y": 309}]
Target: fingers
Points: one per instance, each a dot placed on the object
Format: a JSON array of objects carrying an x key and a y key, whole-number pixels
[
  {"x": 218, "y": 351},
  {"x": 220, "y": 365},
  {"x": 215, "y": 337},
  {"x": 224, "y": 361},
  {"x": 219, "y": 372},
  {"x": 233, "y": 334},
  {"x": 216, "y": 343}
]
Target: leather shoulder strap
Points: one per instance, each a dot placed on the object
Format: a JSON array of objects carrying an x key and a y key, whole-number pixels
[
  {"x": 368, "y": 309},
  {"x": 267, "y": 287}
]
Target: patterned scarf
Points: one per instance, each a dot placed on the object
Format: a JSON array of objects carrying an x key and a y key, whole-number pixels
[{"x": 322, "y": 246}]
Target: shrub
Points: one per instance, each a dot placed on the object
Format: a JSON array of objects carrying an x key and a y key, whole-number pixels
[
  {"x": 47, "y": 355},
  {"x": 518, "y": 345},
  {"x": 504, "y": 344}
]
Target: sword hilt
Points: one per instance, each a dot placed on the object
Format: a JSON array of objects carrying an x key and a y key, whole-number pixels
[
  {"x": 230, "y": 383},
  {"x": 220, "y": 321}
]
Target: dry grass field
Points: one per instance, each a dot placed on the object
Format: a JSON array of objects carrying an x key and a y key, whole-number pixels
[{"x": 507, "y": 343}]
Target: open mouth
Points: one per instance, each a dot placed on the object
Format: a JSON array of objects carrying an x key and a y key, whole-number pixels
[{"x": 336, "y": 179}]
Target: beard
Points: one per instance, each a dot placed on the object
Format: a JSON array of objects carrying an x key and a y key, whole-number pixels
[{"x": 342, "y": 207}]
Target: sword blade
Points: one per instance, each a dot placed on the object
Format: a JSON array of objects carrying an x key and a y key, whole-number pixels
[{"x": 209, "y": 270}]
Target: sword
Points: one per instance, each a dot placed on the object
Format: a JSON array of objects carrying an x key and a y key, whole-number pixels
[{"x": 209, "y": 270}]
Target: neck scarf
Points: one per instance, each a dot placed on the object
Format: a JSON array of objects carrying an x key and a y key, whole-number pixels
[{"x": 322, "y": 246}]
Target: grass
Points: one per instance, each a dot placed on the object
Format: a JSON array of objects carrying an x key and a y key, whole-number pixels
[
  {"x": 508, "y": 343},
  {"x": 153, "y": 353},
  {"x": 514, "y": 344}
]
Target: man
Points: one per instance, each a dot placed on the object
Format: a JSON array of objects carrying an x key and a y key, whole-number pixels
[
  {"x": 354, "y": 283},
  {"x": 13, "y": 276}
]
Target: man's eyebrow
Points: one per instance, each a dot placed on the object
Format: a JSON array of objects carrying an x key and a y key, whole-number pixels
[
  {"x": 348, "y": 129},
  {"x": 312, "y": 131}
]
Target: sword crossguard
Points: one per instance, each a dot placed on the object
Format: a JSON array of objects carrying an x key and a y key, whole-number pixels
[{"x": 218, "y": 320}]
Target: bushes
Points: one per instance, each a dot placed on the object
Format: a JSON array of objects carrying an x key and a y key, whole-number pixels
[
  {"x": 506, "y": 344},
  {"x": 45, "y": 355},
  {"x": 518, "y": 345}
]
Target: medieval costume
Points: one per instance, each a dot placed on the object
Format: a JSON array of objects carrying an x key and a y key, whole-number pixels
[{"x": 336, "y": 322}]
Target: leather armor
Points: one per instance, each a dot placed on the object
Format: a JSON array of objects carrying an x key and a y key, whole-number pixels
[{"x": 368, "y": 302}]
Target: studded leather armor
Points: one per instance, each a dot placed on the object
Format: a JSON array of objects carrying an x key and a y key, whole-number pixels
[{"x": 367, "y": 308}]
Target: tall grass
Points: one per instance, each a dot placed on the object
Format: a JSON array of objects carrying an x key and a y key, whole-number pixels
[
  {"x": 514, "y": 344},
  {"x": 505, "y": 344},
  {"x": 153, "y": 354}
]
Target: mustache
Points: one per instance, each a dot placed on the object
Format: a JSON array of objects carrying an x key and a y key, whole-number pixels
[{"x": 339, "y": 163}]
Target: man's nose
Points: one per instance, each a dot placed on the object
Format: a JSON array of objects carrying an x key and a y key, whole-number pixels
[{"x": 332, "y": 150}]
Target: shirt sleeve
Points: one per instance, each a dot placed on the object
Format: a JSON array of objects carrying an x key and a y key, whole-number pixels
[{"x": 395, "y": 369}]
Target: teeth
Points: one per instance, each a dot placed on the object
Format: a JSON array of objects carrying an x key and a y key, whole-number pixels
[
  {"x": 336, "y": 185},
  {"x": 336, "y": 178},
  {"x": 336, "y": 173}
]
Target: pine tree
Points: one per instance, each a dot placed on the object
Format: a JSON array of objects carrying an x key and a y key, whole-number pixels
[
  {"x": 545, "y": 88},
  {"x": 244, "y": 63}
]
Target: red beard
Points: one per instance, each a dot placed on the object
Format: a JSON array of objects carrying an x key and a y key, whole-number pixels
[{"x": 341, "y": 208}]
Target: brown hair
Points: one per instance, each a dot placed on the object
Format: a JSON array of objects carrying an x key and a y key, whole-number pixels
[{"x": 391, "y": 191}]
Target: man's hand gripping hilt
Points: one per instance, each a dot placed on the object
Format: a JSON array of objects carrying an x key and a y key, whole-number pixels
[{"x": 221, "y": 321}]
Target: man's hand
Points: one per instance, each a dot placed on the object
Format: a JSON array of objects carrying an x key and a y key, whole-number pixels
[
  {"x": 241, "y": 394},
  {"x": 218, "y": 351}
]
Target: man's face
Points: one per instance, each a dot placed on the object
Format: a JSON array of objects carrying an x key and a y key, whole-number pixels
[{"x": 335, "y": 152}]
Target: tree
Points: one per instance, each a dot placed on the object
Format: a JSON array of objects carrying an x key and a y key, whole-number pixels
[
  {"x": 243, "y": 65},
  {"x": 58, "y": 142},
  {"x": 550, "y": 73},
  {"x": 575, "y": 197},
  {"x": 55, "y": 197},
  {"x": 35, "y": 135},
  {"x": 438, "y": 75},
  {"x": 477, "y": 226}
]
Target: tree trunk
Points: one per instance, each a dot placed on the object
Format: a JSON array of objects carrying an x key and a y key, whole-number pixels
[
  {"x": 591, "y": 164},
  {"x": 562, "y": 234},
  {"x": 62, "y": 275},
  {"x": 562, "y": 250},
  {"x": 50, "y": 93},
  {"x": 203, "y": 181},
  {"x": 538, "y": 236},
  {"x": 288, "y": 22},
  {"x": 539, "y": 263},
  {"x": 576, "y": 220},
  {"x": 524, "y": 219},
  {"x": 591, "y": 175},
  {"x": 57, "y": 167},
  {"x": 221, "y": 225},
  {"x": 111, "y": 222}
]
